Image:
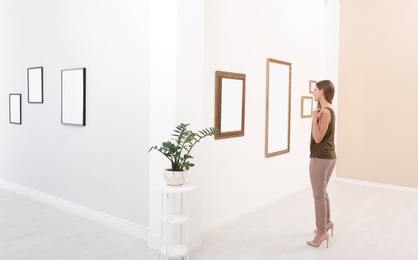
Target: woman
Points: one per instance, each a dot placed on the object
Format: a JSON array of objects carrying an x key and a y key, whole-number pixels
[{"x": 323, "y": 158}]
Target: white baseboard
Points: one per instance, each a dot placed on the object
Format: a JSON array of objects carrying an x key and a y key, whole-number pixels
[
  {"x": 76, "y": 209},
  {"x": 375, "y": 184}
]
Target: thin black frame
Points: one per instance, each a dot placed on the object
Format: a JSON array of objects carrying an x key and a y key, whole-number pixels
[
  {"x": 35, "y": 88},
  {"x": 12, "y": 107},
  {"x": 73, "y": 95}
]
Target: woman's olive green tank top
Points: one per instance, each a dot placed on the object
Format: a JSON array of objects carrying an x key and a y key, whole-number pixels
[{"x": 326, "y": 148}]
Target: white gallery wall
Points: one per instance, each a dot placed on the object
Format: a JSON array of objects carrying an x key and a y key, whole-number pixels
[
  {"x": 151, "y": 65},
  {"x": 239, "y": 37},
  {"x": 177, "y": 62},
  {"x": 101, "y": 167}
]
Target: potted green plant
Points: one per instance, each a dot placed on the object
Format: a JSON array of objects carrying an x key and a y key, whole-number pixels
[{"x": 177, "y": 151}]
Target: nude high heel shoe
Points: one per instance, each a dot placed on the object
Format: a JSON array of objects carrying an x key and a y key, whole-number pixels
[
  {"x": 329, "y": 226},
  {"x": 324, "y": 237}
]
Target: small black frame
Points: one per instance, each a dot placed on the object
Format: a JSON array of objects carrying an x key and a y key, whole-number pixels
[
  {"x": 73, "y": 96},
  {"x": 15, "y": 108},
  {"x": 35, "y": 78}
]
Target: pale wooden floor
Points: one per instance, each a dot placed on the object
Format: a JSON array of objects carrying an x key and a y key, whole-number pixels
[{"x": 370, "y": 223}]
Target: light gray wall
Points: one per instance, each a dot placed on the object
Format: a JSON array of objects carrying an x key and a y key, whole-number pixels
[{"x": 104, "y": 165}]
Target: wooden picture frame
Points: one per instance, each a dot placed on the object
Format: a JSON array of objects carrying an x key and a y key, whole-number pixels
[
  {"x": 278, "y": 107},
  {"x": 306, "y": 107},
  {"x": 312, "y": 85},
  {"x": 229, "y": 104}
]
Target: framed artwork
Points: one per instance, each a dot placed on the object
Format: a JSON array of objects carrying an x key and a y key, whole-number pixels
[
  {"x": 278, "y": 104},
  {"x": 73, "y": 96},
  {"x": 229, "y": 104},
  {"x": 35, "y": 85},
  {"x": 306, "y": 106},
  {"x": 15, "y": 109},
  {"x": 312, "y": 85}
]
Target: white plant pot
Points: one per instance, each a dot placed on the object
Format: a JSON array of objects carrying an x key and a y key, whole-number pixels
[{"x": 175, "y": 178}]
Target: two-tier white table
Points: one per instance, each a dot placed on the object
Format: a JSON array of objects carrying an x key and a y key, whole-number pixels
[{"x": 174, "y": 220}]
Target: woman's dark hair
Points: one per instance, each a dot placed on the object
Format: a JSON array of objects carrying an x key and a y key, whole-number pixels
[{"x": 328, "y": 88}]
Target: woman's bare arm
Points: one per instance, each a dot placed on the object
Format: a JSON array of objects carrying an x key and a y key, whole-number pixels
[{"x": 320, "y": 128}]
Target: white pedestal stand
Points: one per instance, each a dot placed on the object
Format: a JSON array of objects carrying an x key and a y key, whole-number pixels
[{"x": 174, "y": 215}]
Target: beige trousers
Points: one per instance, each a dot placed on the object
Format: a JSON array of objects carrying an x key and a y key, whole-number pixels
[{"x": 320, "y": 171}]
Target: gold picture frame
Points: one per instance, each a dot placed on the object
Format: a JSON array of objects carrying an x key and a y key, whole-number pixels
[
  {"x": 306, "y": 107},
  {"x": 312, "y": 85},
  {"x": 278, "y": 107},
  {"x": 229, "y": 104}
]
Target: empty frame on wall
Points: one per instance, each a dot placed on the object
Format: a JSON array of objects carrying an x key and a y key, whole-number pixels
[
  {"x": 306, "y": 106},
  {"x": 35, "y": 85},
  {"x": 73, "y": 96},
  {"x": 278, "y": 107},
  {"x": 312, "y": 85},
  {"x": 15, "y": 109},
  {"x": 229, "y": 104}
]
